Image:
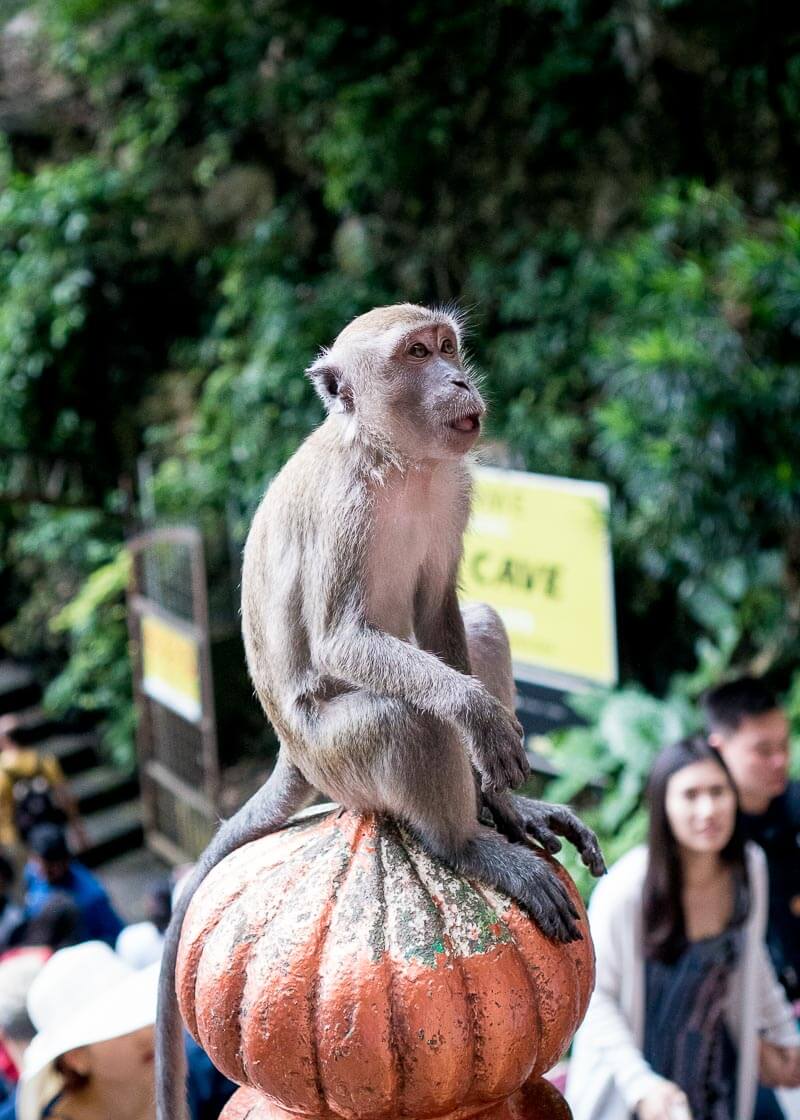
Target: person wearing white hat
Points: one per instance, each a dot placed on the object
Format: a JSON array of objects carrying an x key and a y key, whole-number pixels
[{"x": 92, "y": 1055}]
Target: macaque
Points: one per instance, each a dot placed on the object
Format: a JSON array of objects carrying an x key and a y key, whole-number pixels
[{"x": 385, "y": 695}]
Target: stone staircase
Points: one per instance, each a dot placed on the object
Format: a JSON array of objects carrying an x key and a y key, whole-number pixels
[{"x": 108, "y": 799}]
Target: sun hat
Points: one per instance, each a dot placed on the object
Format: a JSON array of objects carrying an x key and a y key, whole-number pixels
[
  {"x": 140, "y": 944},
  {"x": 84, "y": 994}
]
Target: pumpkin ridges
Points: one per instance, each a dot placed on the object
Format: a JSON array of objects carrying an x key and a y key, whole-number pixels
[
  {"x": 473, "y": 917},
  {"x": 219, "y": 894},
  {"x": 353, "y": 1007},
  {"x": 462, "y": 1070},
  {"x": 390, "y": 979},
  {"x": 458, "y": 965},
  {"x": 502, "y": 905},
  {"x": 414, "y": 941},
  {"x": 277, "y": 1031},
  {"x": 352, "y": 837},
  {"x": 581, "y": 952},
  {"x": 557, "y": 967},
  {"x": 555, "y": 983},
  {"x": 227, "y": 951},
  {"x": 331, "y": 1007},
  {"x": 221, "y": 888}
]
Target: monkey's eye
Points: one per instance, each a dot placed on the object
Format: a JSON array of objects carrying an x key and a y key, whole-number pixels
[
  {"x": 418, "y": 350},
  {"x": 448, "y": 347}
]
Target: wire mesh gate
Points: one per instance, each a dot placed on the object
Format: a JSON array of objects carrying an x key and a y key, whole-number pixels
[{"x": 176, "y": 726}]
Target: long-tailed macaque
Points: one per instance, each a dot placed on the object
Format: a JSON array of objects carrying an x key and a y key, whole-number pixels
[{"x": 383, "y": 693}]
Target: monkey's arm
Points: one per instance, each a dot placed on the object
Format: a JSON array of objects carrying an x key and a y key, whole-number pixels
[
  {"x": 441, "y": 632},
  {"x": 369, "y": 658}
]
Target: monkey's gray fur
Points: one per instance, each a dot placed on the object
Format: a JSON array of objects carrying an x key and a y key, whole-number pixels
[{"x": 384, "y": 694}]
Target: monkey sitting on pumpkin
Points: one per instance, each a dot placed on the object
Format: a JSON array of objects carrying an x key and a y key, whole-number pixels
[{"x": 384, "y": 694}]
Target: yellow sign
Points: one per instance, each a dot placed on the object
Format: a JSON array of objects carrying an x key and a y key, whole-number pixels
[
  {"x": 170, "y": 668},
  {"x": 537, "y": 549}
]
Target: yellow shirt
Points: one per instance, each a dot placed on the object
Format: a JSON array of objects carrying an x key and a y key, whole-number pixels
[{"x": 22, "y": 764}]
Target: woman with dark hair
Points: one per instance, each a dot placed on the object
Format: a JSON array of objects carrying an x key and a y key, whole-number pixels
[{"x": 685, "y": 991}]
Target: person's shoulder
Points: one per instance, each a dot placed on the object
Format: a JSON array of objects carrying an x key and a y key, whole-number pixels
[
  {"x": 86, "y": 881},
  {"x": 624, "y": 878},
  {"x": 633, "y": 862},
  {"x": 792, "y": 801},
  {"x": 31, "y": 875},
  {"x": 755, "y": 857}
]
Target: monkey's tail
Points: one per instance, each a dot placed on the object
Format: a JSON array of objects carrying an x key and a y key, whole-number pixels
[{"x": 267, "y": 810}]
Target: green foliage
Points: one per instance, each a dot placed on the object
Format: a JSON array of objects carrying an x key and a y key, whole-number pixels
[
  {"x": 76, "y": 328},
  {"x": 233, "y": 181},
  {"x": 51, "y": 553},
  {"x": 97, "y": 676},
  {"x": 609, "y": 761},
  {"x": 698, "y": 364}
]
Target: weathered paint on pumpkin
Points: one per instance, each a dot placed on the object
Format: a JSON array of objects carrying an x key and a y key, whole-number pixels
[
  {"x": 536, "y": 1100},
  {"x": 338, "y": 969}
]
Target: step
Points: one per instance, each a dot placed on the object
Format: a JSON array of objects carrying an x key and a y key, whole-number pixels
[
  {"x": 112, "y": 832},
  {"x": 32, "y": 725},
  {"x": 75, "y": 751},
  {"x": 102, "y": 787},
  {"x": 18, "y": 687}
]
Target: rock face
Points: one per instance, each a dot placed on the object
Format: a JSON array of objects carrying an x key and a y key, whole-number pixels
[
  {"x": 34, "y": 98},
  {"x": 337, "y": 970}
]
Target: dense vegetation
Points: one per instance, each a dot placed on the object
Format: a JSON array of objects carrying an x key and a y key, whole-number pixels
[{"x": 195, "y": 195}]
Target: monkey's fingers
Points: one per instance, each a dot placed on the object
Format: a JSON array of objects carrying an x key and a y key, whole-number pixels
[
  {"x": 551, "y": 907},
  {"x": 563, "y": 821},
  {"x": 539, "y": 831}
]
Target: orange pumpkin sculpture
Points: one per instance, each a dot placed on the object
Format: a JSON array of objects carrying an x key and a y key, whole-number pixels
[{"x": 340, "y": 972}]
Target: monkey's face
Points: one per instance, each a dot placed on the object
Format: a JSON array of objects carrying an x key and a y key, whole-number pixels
[{"x": 431, "y": 406}]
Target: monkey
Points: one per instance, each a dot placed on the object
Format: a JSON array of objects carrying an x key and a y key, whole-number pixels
[{"x": 384, "y": 694}]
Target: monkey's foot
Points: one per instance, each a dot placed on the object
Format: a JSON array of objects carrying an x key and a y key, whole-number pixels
[
  {"x": 538, "y": 1099},
  {"x": 516, "y": 816}
]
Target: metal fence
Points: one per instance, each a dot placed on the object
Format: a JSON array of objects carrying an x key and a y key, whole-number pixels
[{"x": 176, "y": 734}]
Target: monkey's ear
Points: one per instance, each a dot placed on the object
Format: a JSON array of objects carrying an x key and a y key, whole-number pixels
[{"x": 331, "y": 384}]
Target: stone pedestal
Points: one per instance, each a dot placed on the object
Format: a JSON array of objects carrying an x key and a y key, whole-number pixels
[{"x": 338, "y": 972}]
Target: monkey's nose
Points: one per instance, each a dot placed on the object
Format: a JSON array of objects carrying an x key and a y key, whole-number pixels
[{"x": 461, "y": 384}]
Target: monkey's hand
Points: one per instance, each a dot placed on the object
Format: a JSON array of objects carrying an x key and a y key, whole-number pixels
[
  {"x": 494, "y": 735},
  {"x": 544, "y": 823},
  {"x": 545, "y": 898}
]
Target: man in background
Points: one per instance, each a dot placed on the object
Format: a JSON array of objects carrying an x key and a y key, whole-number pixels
[
  {"x": 751, "y": 731},
  {"x": 51, "y": 874}
]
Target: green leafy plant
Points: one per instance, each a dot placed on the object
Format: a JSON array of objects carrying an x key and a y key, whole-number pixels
[{"x": 97, "y": 676}]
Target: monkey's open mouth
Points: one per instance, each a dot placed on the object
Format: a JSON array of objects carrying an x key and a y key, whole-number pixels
[{"x": 471, "y": 423}]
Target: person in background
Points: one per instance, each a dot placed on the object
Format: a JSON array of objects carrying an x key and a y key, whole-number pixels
[
  {"x": 17, "y": 972},
  {"x": 56, "y": 924},
  {"x": 92, "y": 1055},
  {"x": 51, "y": 871},
  {"x": 686, "y": 1005},
  {"x": 142, "y": 943},
  {"x": 33, "y": 790},
  {"x": 12, "y": 916},
  {"x": 751, "y": 732}
]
